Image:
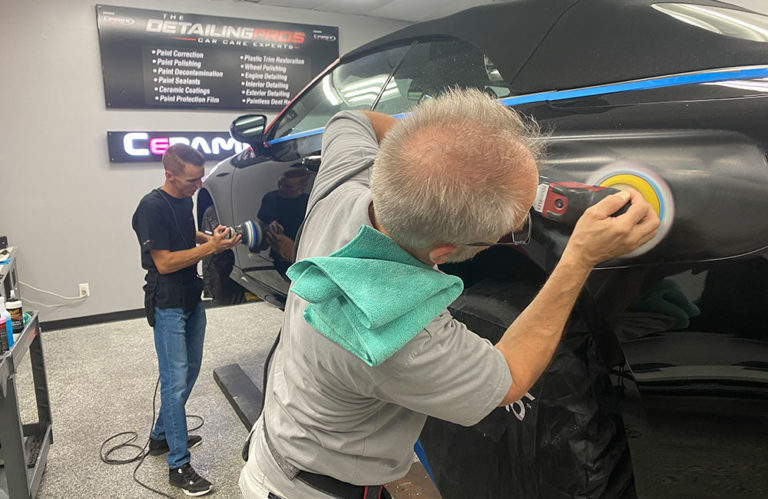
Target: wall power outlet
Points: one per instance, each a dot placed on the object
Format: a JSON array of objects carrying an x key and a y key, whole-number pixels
[{"x": 84, "y": 290}]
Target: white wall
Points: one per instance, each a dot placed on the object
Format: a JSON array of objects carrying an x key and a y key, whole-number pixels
[{"x": 61, "y": 201}]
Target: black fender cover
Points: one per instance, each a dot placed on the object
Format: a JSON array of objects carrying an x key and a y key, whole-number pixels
[{"x": 564, "y": 439}]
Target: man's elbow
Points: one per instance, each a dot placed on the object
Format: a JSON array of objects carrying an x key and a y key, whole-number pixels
[
  {"x": 163, "y": 270},
  {"x": 162, "y": 266},
  {"x": 515, "y": 393},
  {"x": 161, "y": 259}
]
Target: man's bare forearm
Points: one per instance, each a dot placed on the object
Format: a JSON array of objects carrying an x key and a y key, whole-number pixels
[
  {"x": 168, "y": 262},
  {"x": 598, "y": 236},
  {"x": 529, "y": 343}
]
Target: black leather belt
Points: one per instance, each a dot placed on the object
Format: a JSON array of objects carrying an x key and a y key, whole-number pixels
[{"x": 342, "y": 490}]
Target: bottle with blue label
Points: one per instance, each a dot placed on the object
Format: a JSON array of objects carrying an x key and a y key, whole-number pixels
[{"x": 6, "y": 329}]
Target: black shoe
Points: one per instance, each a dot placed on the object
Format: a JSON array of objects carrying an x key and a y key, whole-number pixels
[
  {"x": 158, "y": 447},
  {"x": 190, "y": 482}
]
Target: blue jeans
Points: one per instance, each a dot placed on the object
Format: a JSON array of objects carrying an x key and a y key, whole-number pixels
[{"x": 179, "y": 344}]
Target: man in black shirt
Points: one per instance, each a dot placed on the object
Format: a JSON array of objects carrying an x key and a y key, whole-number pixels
[
  {"x": 170, "y": 250},
  {"x": 283, "y": 210}
]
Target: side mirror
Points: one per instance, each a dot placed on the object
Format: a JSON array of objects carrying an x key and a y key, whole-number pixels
[{"x": 249, "y": 128}]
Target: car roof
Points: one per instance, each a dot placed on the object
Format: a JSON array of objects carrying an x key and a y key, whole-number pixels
[
  {"x": 558, "y": 44},
  {"x": 486, "y": 27}
]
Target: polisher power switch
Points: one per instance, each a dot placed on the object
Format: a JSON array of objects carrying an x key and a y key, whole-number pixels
[{"x": 565, "y": 202}]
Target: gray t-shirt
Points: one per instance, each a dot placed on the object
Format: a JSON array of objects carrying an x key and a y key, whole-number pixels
[{"x": 326, "y": 410}]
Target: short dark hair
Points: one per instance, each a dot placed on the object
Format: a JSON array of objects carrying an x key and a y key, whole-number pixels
[
  {"x": 178, "y": 155},
  {"x": 296, "y": 172}
]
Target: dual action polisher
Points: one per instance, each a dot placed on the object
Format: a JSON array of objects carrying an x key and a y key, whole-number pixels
[{"x": 565, "y": 202}]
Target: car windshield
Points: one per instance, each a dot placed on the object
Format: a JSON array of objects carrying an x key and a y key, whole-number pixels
[
  {"x": 352, "y": 85},
  {"x": 425, "y": 71},
  {"x": 431, "y": 67}
]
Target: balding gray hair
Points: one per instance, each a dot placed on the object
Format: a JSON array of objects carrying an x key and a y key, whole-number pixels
[{"x": 450, "y": 171}]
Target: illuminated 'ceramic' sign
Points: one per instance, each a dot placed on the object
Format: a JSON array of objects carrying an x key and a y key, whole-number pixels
[{"x": 134, "y": 147}]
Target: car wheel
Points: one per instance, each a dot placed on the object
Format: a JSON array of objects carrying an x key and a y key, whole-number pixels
[{"x": 217, "y": 267}]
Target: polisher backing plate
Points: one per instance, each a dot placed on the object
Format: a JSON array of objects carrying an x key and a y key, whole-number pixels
[{"x": 622, "y": 175}]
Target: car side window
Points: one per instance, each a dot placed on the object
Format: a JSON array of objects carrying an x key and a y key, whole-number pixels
[
  {"x": 352, "y": 85},
  {"x": 431, "y": 67}
]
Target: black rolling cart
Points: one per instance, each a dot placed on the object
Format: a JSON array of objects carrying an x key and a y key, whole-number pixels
[{"x": 24, "y": 446}]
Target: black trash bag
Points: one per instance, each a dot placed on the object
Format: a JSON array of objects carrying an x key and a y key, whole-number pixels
[
  {"x": 564, "y": 439},
  {"x": 581, "y": 445}
]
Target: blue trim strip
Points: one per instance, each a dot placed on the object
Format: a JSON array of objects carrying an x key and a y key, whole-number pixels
[
  {"x": 297, "y": 136},
  {"x": 612, "y": 88},
  {"x": 668, "y": 81},
  {"x": 419, "y": 451}
]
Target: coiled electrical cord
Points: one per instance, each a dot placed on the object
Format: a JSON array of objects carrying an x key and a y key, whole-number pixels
[{"x": 142, "y": 451}]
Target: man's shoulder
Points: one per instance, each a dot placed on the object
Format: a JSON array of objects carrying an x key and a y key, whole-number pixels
[
  {"x": 271, "y": 196},
  {"x": 151, "y": 199},
  {"x": 151, "y": 207}
]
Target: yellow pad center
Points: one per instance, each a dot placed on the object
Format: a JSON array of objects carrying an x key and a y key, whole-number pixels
[{"x": 623, "y": 181}]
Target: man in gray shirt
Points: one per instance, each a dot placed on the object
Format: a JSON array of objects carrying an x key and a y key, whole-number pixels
[{"x": 459, "y": 169}]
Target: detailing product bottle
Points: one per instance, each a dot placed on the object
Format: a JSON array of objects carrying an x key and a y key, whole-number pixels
[
  {"x": 6, "y": 328},
  {"x": 17, "y": 316}
]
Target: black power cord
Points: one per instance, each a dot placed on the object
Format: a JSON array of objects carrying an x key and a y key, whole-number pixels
[
  {"x": 266, "y": 368},
  {"x": 142, "y": 451}
]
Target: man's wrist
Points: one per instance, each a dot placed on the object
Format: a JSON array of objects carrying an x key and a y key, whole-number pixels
[
  {"x": 211, "y": 247},
  {"x": 574, "y": 260}
]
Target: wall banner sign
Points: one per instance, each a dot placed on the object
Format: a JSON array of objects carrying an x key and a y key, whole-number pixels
[
  {"x": 157, "y": 59},
  {"x": 141, "y": 147}
]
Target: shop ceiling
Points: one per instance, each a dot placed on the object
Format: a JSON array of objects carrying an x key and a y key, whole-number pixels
[{"x": 401, "y": 10}]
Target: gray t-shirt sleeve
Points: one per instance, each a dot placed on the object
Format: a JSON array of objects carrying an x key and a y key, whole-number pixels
[
  {"x": 449, "y": 373},
  {"x": 349, "y": 142}
]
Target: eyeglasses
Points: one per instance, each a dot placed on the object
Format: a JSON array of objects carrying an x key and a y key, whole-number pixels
[{"x": 516, "y": 238}]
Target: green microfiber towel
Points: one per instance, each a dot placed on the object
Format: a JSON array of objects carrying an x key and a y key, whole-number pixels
[{"x": 371, "y": 297}]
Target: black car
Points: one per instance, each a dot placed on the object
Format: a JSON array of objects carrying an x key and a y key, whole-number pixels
[{"x": 660, "y": 386}]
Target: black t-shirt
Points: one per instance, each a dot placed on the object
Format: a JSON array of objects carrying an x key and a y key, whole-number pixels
[
  {"x": 289, "y": 212},
  {"x": 163, "y": 222}
]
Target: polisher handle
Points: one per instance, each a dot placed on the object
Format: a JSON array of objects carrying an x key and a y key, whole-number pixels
[{"x": 565, "y": 202}]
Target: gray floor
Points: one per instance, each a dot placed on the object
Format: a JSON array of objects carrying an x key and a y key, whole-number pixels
[{"x": 101, "y": 381}]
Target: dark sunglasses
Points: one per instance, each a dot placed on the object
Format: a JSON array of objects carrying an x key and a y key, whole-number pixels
[{"x": 516, "y": 238}]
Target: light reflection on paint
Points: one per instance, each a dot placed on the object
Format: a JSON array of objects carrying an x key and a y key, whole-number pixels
[
  {"x": 723, "y": 21},
  {"x": 758, "y": 85}
]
